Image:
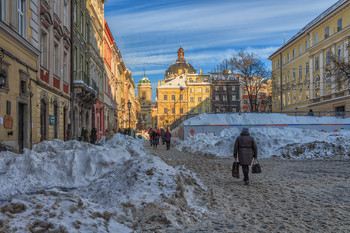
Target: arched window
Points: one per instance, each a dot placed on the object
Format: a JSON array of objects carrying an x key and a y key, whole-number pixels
[{"x": 317, "y": 86}]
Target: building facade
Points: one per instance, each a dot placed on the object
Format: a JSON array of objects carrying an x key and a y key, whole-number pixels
[
  {"x": 144, "y": 92},
  {"x": 96, "y": 12},
  {"x": 303, "y": 76},
  {"x": 53, "y": 87},
  {"x": 19, "y": 75},
  {"x": 225, "y": 93}
]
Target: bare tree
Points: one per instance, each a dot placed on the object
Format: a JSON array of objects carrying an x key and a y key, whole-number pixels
[
  {"x": 340, "y": 70},
  {"x": 253, "y": 75}
]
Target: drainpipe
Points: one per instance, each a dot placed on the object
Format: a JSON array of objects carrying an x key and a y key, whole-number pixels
[{"x": 72, "y": 69}]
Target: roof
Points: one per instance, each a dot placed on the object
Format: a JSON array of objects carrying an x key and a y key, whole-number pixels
[
  {"x": 173, "y": 69},
  {"x": 144, "y": 80},
  {"x": 175, "y": 82},
  {"x": 313, "y": 23}
]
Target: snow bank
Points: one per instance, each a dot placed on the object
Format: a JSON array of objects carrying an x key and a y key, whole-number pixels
[
  {"x": 286, "y": 142},
  {"x": 260, "y": 118},
  {"x": 118, "y": 176}
]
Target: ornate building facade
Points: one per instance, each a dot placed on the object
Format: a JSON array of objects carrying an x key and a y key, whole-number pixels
[{"x": 303, "y": 76}]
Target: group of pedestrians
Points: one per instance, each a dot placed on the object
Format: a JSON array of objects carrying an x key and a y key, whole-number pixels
[{"x": 155, "y": 135}]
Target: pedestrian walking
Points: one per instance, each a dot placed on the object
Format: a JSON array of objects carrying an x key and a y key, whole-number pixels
[
  {"x": 162, "y": 132},
  {"x": 311, "y": 113},
  {"x": 246, "y": 149},
  {"x": 167, "y": 137},
  {"x": 155, "y": 137}
]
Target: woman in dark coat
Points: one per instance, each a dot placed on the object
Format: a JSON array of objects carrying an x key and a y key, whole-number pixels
[{"x": 246, "y": 149}]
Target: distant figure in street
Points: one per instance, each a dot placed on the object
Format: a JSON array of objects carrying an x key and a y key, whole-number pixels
[
  {"x": 310, "y": 113},
  {"x": 167, "y": 137},
  {"x": 156, "y": 135},
  {"x": 69, "y": 135},
  {"x": 162, "y": 132},
  {"x": 150, "y": 133},
  {"x": 246, "y": 149}
]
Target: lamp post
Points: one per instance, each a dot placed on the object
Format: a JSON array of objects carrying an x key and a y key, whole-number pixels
[{"x": 129, "y": 106}]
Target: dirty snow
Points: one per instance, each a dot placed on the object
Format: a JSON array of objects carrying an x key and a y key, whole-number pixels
[{"x": 117, "y": 178}]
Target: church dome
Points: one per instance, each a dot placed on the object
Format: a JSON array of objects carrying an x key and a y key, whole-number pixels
[
  {"x": 180, "y": 64},
  {"x": 144, "y": 80}
]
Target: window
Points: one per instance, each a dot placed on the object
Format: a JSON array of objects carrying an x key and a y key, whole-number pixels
[
  {"x": 317, "y": 86},
  {"x": 43, "y": 49},
  {"x": 65, "y": 69},
  {"x": 65, "y": 14},
  {"x": 275, "y": 65},
  {"x": 306, "y": 44},
  {"x": 233, "y": 89},
  {"x": 181, "y": 110},
  {"x": 288, "y": 76},
  {"x": 199, "y": 99},
  {"x": 284, "y": 60},
  {"x": 245, "y": 102},
  {"x": 217, "y": 98},
  {"x": 20, "y": 14},
  {"x": 75, "y": 12},
  {"x": 165, "y": 97},
  {"x": 340, "y": 52},
  {"x": 300, "y": 49},
  {"x": 316, "y": 38},
  {"x": 55, "y": 59},
  {"x": 216, "y": 88},
  {"x": 55, "y": 6},
  {"x": 173, "y": 97},
  {"x": 307, "y": 68},
  {"x": 81, "y": 22},
  {"x": 224, "y": 98},
  {"x": 317, "y": 63},
  {"x": 293, "y": 53},
  {"x": 23, "y": 87},
  {"x": 207, "y": 110},
  {"x": 191, "y": 90},
  {"x": 181, "y": 97},
  {"x": 294, "y": 74},
  {"x": 207, "y": 99},
  {"x": 192, "y": 99},
  {"x": 340, "y": 24},
  {"x": 326, "y": 32},
  {"x": 300, "y": 72},
  {"x": 288, "y": 57},
  {"x": 207, "y": 90},
  {"x": 224, "y": 88},
  {"x": 328, "y": 54},
  {"x": 234, "y": 98},
  {"x": 165, "y": 111},
  {"x": 300, "y": 93},
  {"x": 173, "y": 110},
  {"x": 199, "y": 90},
  {"x": 199, "y": 109}
]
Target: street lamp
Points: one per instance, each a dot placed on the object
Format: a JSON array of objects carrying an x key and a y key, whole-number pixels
[{"x": 129, "y": 107}]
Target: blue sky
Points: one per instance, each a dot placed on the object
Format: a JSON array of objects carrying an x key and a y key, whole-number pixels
[{"x": 149, "y": 32}]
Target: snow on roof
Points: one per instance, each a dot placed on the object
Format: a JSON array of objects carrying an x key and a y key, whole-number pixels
[
  {"x": 175, "y": 83},
  {"x": 314, "y": 22}
]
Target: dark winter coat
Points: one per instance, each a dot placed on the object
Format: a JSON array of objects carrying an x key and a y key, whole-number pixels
[
  {"x": 162, "y": 131},
  {"x": 155, "y": 137},
  {"x": 246, "y": 148},
  {"x": 167, "y": 136}
]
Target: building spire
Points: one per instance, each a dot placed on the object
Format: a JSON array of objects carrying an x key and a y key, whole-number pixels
[{"x": 284, "y": 38}]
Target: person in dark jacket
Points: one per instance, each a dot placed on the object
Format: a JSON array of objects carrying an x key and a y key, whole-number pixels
[
  {"x": 162, "y": 132},
  {"x": 246, "y": 149},
  {"x": 311, "y": 113},
  {"x": 167, "y": 137},
  {"x": 156, "y": 135},
  {"x": 150, "y": 133}
]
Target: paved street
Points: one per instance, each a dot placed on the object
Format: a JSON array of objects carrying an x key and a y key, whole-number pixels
[{"x": 289, "y": 196}]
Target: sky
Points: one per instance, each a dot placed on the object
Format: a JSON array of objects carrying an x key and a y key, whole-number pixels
[{"x": 149, "y": 32}]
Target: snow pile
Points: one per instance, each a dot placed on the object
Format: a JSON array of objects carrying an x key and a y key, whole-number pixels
[
  {"x": 286, "y": 142},
  {"x": 55, "y": 211},
  {"x": 260, "y": 118},
  {"x": 138, "y": 190}
]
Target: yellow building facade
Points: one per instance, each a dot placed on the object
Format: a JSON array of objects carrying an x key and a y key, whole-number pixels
[
  {"x": 182, "y": 92},
  {"x": 144, "y": 92},
  {"x": 19, "y": 57},
  {"x": 303, "y": 76}
]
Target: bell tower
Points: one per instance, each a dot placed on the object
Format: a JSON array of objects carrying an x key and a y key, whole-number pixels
[{"x": 181, "y": 55}]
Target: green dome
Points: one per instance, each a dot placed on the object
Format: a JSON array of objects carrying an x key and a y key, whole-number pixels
[{"x": 144, "y": 80}]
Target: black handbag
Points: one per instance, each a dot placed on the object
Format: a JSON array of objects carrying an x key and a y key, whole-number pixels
[
  {"x": 256, "y": 168},
  {"x": 235, "y": 169}
]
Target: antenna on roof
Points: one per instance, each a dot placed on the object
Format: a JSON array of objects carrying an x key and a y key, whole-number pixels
[{"x": 284, "y": 38}]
